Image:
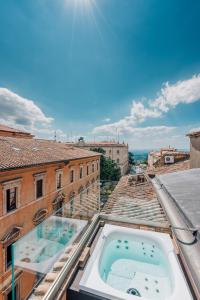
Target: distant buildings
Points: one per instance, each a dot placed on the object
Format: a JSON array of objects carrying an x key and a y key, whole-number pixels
[
  {"x": 166, "y": 156},
  {"x": 36, "y": 178},
  {"x": 114, "y": 150},
  {"x": 194, "y": 149}
]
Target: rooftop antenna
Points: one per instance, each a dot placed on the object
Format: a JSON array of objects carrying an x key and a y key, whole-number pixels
[{"x": 116, "y": 135}]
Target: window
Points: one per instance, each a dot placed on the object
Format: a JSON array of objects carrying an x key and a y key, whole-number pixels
[
  {"x": 81, "y": 172},
  {"x": 118, "y": 160},
  {"x": 72, "y": 176},
  {"x": 87, "y": 170},
  {"x": 39, "y": 185},
  {"x": 8, "y": 256},
  {"x": 97, "y": 165},
  {"x": 59, "y": 173},
  {"x": 110, "y": 151},
  {"x": 59, "y": 181},
  {"x": 117, "y": 151},
  {"x": 11, "y": 195},
  {"x": 11, "y": 199},
  {"x": 39, "y": 188},
  {"x": 92, "y": 168}
]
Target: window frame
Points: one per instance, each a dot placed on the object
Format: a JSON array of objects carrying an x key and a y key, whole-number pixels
[
  {"x": 88, "y": 169},
  {"x": 8, "y": 185},
  {"x": 71, "y": 178},
  {"x": 59, "y": 174},
  {"x": 81, "y": 172},
  {"x": 37, "y": 177}
]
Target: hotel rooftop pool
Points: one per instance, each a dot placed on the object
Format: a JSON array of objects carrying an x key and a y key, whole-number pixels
[{"x": 129, "y": 263}]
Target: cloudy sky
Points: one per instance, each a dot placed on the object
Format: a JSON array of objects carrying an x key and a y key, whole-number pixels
[{"x": 101, "y": 69}]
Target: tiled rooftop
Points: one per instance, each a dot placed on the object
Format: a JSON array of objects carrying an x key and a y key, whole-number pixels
[
  {"x": 10, "y": 129},
  {"x": 16, "y": 153},
  {"x": 179, "y": 166},
  {"x": 135, "y": 200}
]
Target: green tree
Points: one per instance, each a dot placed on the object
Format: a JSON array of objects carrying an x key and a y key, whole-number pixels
[
  {"x": 131, "y": 158},
  {"x": 109, "y": 170}
]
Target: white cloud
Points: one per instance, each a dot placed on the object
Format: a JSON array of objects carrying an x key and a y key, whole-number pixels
[
  {"x": 186, "y": 91},
  {"x": 106, "y": 120},
  {"x": 24, "y": 114},
  {"x": 138, "y": 114}
]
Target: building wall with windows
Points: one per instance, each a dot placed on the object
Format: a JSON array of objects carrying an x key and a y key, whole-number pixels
[
  {"x": 27, "y": 196},
  {"x": 116, "y": 151}
]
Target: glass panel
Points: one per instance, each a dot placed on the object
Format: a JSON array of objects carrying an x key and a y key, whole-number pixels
[{"x": 37, "y": 252}]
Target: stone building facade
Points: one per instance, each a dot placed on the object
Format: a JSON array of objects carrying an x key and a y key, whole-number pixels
[
  {"x": 116, "y": 151},
  {"x": 36, "y": 178},
  {"x": 194, "y": 149}
]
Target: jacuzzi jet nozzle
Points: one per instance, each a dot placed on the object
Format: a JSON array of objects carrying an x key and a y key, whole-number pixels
[{"x": 133, "y": 291}]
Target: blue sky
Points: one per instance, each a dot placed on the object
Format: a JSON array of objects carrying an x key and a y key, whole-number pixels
[{"x": 97, "y": 68}]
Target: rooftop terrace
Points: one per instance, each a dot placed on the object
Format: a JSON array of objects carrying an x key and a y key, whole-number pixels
[{"x": 132, "y": 203}]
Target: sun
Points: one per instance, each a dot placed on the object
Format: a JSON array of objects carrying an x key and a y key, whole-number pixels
[{"x": 81, "y": 3}]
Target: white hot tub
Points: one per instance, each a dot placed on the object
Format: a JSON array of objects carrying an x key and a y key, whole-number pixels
[{"x": 134, "y": 264}]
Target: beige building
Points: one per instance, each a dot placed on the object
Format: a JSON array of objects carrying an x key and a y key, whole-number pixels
[
  {"x": 194, "y": 149},
  {"x": 114, "y": 150}
]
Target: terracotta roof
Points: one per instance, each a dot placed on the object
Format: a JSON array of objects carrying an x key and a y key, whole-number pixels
[
  {"x": 135, "y": 200},
  {"x": 17, "y": 153},
  {"x": 10, "y": 129},
  {"x": 179, "y": 166}
]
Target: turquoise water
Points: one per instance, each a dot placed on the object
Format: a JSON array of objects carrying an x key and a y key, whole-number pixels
[
  {"x": 56, "y": 231},
  {"x": 135, "y": 267},
  {"x": 57, "y": 234}
]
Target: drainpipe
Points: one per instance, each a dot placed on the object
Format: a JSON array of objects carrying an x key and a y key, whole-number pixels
[{"x": 188, "y": 243}]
